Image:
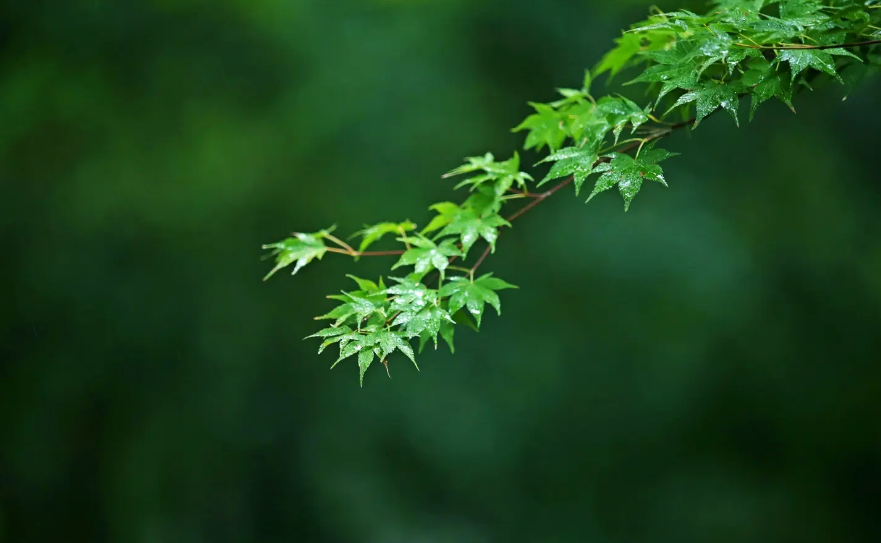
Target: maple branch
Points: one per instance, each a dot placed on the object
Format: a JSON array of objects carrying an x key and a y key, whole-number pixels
[
  {"x": 542, "y": 196},
  {"x": 480, "y": 260},
  {"x": 801, "y": 46},
  {"x": 359, "y": 254}
]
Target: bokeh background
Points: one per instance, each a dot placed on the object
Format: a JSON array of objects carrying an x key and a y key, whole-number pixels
[{"x": 704, "y": 368}]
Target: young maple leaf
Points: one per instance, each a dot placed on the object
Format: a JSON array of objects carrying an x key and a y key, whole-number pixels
[
  {"x": 374, "y": 233},
  {"x": 710, "y": 97},
  {"x": 376, "y": 342},
  {"x": 462, "y": 292},
  {"x": 503, "y": 175},
  {"x": 821, "y": 60},
  {"x": 619, "y": 112},
  {"x": 545, "y": 127},
  {"x": 354, "y": 305},
  {"x": 300, "y": 249},
  {"x": 428, "y": 321},
  {"x": 628, "y": 173},
  {"x": 470, "y": 227},
  {"x": 765, "y": 83},
  {"x": 575, "y": 161},
  {"x": 427, "y": 255}
]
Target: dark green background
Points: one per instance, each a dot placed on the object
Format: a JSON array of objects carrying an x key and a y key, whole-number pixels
[{"x": 704, "y": 368}]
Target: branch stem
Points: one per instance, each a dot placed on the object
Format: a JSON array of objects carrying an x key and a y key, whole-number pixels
[
  {"x": 358, "y": 254},
  {"x": 788, "y": 46}
]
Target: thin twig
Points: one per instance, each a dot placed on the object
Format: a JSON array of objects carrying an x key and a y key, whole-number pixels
[
  {"x": 801, "y": 46},
  {"x": 342, "y": 244},
  {"x": 524, "y": 193},
  {"x": 358, "y": 254}
]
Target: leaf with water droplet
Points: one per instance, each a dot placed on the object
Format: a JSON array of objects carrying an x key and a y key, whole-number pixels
[
  {"x": 473, "y": 296},
  {"x": 545, "y": 128},
  {"x": 711, "y": 96},
  {"x": 628, "y": 173},
  {"x": 300, "y": 249},
  {"x": 374, "y": 233},
  {"x": 470, "y": 227},
  {"x": 355, "y": 305},
  {"x": 501, "y": 175},
  {"x": 574, "y": 161},
  {"x": 428, "y": 321},
  {"x": 620, "y": 112},
  {"x": 427, "y": 256},
  {"x": 821, "y": 60},
  {"x": 371, "y": 342}
]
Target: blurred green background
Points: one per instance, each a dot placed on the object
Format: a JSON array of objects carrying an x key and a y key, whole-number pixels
[{"x": 704, "y": 368}]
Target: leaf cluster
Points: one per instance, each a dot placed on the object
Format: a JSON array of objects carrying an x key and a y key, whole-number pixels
[{"x": 689, "y": 66}]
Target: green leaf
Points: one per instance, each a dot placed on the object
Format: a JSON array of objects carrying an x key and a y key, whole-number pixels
[
  {"x": 365, "y": 357},
  {"x": 427, "y": 255},
  {"x": 672, "y": 77},
  {"x": 470, "y": 227},
  {"x": 428, "y": 321},
  {"x": 629, "y": 46},
  {"x": 357, "y": 305},
  {"x": 372, "y": 343},
  {"x": 709, "y": 98},
  {"x": 619, "y": 112},
  {"x": 367, "y": 286},
  {"x": 574, "y": 161},
  {"x": 446, "y": 213},
  {"x": 545, "y": 128},
  {"x": 821, "y": 60},
  {"x": 502, "y": 175},
  {"x": 628, "y": 173},
  {"x": 462, "y": 292},
  {"x": 300, "y": 249},
  {"x": 409, "y": 295},
  {"x": 377, "y": 231}
]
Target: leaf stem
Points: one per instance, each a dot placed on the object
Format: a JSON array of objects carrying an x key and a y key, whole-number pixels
[
  {"x": 787, "y": 46},
  {"x": 342, "y": 244},
  {"x": 358, "y": 254},
  {"x": 523, "y": 193}
]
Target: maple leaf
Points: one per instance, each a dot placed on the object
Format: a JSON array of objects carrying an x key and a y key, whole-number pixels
[
  {"x": 503, "y": 175},
  {"x": 300, "y": 249},
  {"x": 409, "y": 295},
  {"x": 575, "y": 161},
  {"x": 619, "y": 111},
  {"x": 375, "y": 342},
  {"x": 355, "y": 304},
  {"x": 545, "y": 128},
  {"x": 446, "y": 212},
  {"x": 630, "y": 45},
  {"x": 710, "y": 97},
  {"x": 374, "y": 233},
  {"x": 427, "y": 321},
  {"x": 427, "y": 255},
  {"x": 821, "y": 60},
  {"x": 628, "y": 173},
  {"x": 462, "y": 292},
  {"x": 672, "y": 77},
  {"x": 470, "y": 227},
  {"x": 586, "y": 124},
  {"x": 765, "y": 83}
]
